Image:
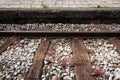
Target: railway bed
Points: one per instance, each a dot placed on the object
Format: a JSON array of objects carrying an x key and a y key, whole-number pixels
[
  {"x": 60, "y": 58},
  {"x": 60, "y": 27},
  {"x": 60, "y": 43}
]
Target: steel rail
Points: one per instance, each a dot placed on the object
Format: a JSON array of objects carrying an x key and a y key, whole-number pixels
[{"x": 59, "y": 34}]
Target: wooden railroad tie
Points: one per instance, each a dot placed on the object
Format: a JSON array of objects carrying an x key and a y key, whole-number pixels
[
  {"x": 116, "y": 43},
  {"x": 83, "y": 72},
  {"x": 9, "y": 42},
  {"x": 36, "y": 69}
]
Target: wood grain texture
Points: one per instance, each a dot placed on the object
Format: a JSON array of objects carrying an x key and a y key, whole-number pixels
[
  {"x": 79, "y": 70},
  {"x": 36, "y": 69},
  {"x": 83, "y": 71},
  {"x": 85, "y": 59}
]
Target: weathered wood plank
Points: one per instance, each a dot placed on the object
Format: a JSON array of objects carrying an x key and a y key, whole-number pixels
[
  {"x": 85, "y": 58},
  {"x": 84, "y": 70},
  {"x": 116, "y": 43},
  {"x": 79, "y": 69},
  {"x": 36, "y": 68},
  {"x": 8, "y": 43}
]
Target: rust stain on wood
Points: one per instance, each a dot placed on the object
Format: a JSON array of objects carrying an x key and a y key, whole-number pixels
[
  {"x": 83, "y": 71},
  {"x": 36, "y": 69}
]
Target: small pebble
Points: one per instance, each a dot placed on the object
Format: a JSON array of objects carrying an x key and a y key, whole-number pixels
[{"x": 106, "y": 56}]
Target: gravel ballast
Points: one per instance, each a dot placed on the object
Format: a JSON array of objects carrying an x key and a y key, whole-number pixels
[
  {"x": 17, "y": 59},
  {"x": 59, "y": 27},
  {"x": 105, "y": 57},
  {"x": 57, "y": 61}
]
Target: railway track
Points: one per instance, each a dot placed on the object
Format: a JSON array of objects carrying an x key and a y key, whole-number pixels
[
  {"x": 59, "y": 56},
  {"x": 60, "y": 44}
]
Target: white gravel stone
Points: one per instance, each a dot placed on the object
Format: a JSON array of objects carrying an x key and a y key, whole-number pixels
[
  {"x": 72, "y": 74},
  {"x": 1, "y": 74},
  {"x": 59, "y": 27},
  {"x": 67, "y": 78},
  {"x": 61, "y": 51},
  {"x": 17, "y": 59},
  {"x": 0, "y": 59},
  {"x": 107, "y": 57},
  {"x": 54, "y": 78}
]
